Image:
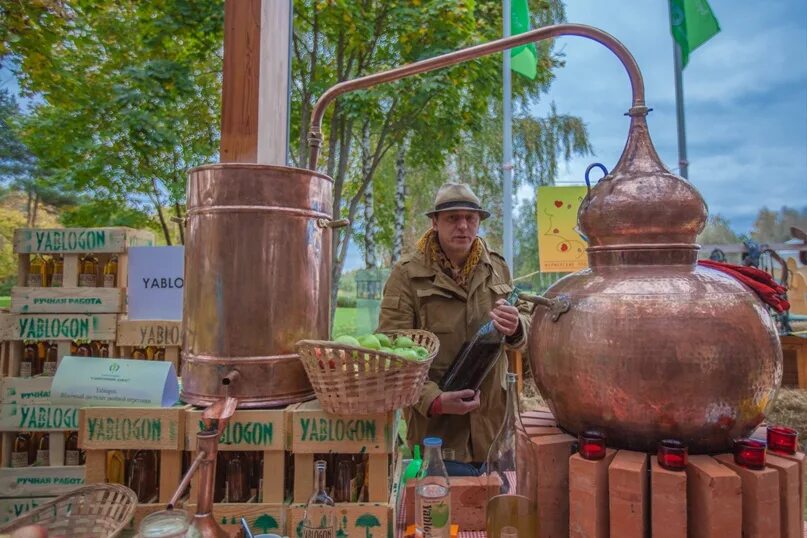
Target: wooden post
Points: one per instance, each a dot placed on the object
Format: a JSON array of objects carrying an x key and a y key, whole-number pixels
[{"x": 254, "y": 109}]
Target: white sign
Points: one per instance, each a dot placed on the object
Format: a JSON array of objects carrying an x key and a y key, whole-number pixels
[
  {"x": 156, "y": 281},
  {"x": 89, "y": 381}
]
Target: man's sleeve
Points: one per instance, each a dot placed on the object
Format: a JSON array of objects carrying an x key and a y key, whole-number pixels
[{"x": 398, "y": 312}]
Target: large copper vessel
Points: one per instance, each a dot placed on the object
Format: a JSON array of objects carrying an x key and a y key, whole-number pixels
[
  {"x": 653, "y": 346},
  {"x": 257, "y": 280}
]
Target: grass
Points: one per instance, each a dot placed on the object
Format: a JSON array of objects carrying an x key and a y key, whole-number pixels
[
  {"x": 344, "y": 321},
  {"x": 5, "y": 301}
]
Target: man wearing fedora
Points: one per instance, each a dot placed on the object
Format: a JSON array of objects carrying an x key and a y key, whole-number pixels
[{"x": 451, "y": 285}]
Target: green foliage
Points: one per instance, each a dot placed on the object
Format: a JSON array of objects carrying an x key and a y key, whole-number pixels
[
  {"x": 718, "y": 231},
  {"x": 774, "y": 226}
]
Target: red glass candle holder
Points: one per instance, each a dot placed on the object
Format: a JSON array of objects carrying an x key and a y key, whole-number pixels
[
  {"x": 750, "y": 454},
  {"x": 783, "y": 439},
  {"x": 672, "y": 455},
  {"x": 592, "y": 445}
]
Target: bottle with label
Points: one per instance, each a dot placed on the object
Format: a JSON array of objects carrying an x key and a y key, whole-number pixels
[
  {"x": 49, "y": 268},
  {"x": 116, "y": 467},
  {"x": 33, "y": 446},
  {"x": 88, "y": 271},
  {"x": 43, "y": 451},
  {"x": 432, "y": 498},
  {"x": 36, "y": 271},
  {"x": 84, "y": 349},
  {"x": 22, "y": 449},
  {"x": 513, "y": 506},
  {"x": 476, "y": 358},
  {"x": 28, "y": 362},
  {"x": 57, "y": 280},
  {"x": 140, "y": 353},
  {"x": 111, "y": 272},
  {"x": 72, "y": 454},
  {"x": 319, "y": 519},
  {"x": 143, "y": 476},
  {"x": 103, "y": 349},
  {"x": 51, "y": 359},
  {"x": 41, "y": 356}
]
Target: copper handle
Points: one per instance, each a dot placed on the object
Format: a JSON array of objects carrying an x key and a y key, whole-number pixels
[
  {"x": 557, "y": 306},
  {"x": 328, "y": 223},
  {"x": 216, "y": 416},
  {"x": 470, "y": 53}
]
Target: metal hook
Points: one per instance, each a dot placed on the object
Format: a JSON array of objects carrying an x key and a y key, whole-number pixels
[{"x": 588, "y": 171}]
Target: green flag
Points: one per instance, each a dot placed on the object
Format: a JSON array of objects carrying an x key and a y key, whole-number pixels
[
  {"x": 693, "y": 24},
  {"x": 523, "y": 59}
]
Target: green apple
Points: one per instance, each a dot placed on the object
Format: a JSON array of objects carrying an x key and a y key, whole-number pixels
[
  {"x": 404, "y": 341},
  {"x": 383, "y": 339},
  {"x": 347, "y": 340},
  {"x": 407, "y": 353},
  {"x": 422, "y": 352},
  {"x": 439, "y": 515},
  {"x": 369, "y": 341},
  {"x": 387, "y": 349}
]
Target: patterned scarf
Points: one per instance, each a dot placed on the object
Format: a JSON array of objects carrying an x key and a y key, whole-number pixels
[{"x": 429, "y": 245}]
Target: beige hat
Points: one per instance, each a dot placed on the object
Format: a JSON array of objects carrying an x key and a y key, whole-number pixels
[{"x": 457, "y": 196}]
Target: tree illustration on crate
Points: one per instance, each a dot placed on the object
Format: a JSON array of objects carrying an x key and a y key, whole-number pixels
[
  {"x": 266, "y": 522},
  {"x": 367, "y": 521},
  {"x": 299, "y": 530}
]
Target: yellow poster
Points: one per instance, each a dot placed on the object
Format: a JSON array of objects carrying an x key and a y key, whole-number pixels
[{"x": 561, "y": 248}]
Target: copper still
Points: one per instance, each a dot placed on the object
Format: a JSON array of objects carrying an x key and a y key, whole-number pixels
[
  {"x": 257, "y": 280},
  {"x": 652, "y": 346}
]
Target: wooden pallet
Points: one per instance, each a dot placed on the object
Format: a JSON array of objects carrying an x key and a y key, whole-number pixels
[{"x": 71, "y": 244}]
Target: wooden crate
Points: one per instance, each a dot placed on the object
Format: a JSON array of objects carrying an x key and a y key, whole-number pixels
[
  {"x": 165, "y": 334},
  {"x": 313, "y": 431},
  {"x": 132, "y": 428}
]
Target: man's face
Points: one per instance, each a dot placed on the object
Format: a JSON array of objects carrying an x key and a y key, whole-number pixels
[{"x": 456, "y": 230}]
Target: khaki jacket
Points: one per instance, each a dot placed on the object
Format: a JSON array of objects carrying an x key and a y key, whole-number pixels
[{"x": 418, "y": 295}]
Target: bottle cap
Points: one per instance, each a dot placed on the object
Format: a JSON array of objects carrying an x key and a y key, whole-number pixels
[{"x": 432, "y": 441}]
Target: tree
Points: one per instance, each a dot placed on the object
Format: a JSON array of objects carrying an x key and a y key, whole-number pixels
[
  {"x": 265, "y": 522},
  {"x": 774, "y": 226},
  {"x": 718, "y": 231},
  {"x": 367, "y": 521}
]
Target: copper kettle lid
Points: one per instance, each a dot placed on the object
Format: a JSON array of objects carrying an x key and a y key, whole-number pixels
[{"x": 641, "y": 203}]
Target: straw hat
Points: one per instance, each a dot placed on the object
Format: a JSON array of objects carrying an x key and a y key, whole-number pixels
[{"x": 457, "y": 196}]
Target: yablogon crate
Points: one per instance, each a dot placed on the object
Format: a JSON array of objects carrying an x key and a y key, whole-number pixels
[{"x": 162, "y": 334}]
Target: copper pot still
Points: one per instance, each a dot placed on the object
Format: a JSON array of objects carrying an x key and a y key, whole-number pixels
[
  {"x": 646, "y": 345},
  {"x": 257, "y": 280}
]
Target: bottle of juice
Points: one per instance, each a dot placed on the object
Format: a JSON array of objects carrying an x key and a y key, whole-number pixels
[{"x": 432, "y": 496}]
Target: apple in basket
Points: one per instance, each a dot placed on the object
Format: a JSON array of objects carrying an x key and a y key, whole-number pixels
[{"x": 319, "y": 353}]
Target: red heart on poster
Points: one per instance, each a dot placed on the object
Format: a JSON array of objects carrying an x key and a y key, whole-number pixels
[
  {"x": 558, "y": 203},
  {"x": 564, "y": 247}
]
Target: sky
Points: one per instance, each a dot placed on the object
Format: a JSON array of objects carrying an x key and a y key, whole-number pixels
[{"x": 745, "y": 95}]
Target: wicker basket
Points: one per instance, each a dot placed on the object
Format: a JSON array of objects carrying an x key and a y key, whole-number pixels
[
  {"x": 359, "y": 381},
  {"x": 97, "y": 511}
]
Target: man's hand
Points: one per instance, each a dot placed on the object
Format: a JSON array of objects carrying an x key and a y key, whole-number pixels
[
  {"x": 460, "y": 402},
  {"x": 505, "y": 317}
]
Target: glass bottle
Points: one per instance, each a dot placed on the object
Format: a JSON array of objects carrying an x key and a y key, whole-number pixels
[
  {"x": 511, "y": 506},
  {"x": 28, "y": 362},
  {"x": 36, "y": 271},
  {"x": 57, "y": 280},
  {"x": 51, "y": 360},
  {"x": 20, "y": 454},
  {"x": 49, "y": 269},
  {"x": 103, "y": 349},
  {"x": 84, "y": 349},
  {"x": 476, "y": 358},
  {"x": 43, "y": 451},
  {"x": 432, "y": 497},
  {"x": 88, "y": 271},
  {"x": 344, "y": 476},
  {"x": 72, "y": 454},
  {"x": 111, "y": 272},
  {"x": 116, "y": 467},
  {"x": 319, "y": 519},
  {"x": 237, "y": 478},
  {"x": 143, "y": 476},
  {"x": 139, "y": 353},
  {"x": 33, "y": 446}
]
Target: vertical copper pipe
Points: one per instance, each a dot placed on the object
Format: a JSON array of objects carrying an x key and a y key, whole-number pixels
[{"x": 470, "y": 53}]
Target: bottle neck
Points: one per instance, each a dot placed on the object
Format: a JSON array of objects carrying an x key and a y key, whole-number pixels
[{"x": 319, "y": 478}]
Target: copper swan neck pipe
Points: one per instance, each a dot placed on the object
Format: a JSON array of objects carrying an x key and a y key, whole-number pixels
[{"x": 470, "y": 53}]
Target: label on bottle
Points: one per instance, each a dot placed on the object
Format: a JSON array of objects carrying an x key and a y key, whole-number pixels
[
  {"x": 19, "y": 459},
  {"x": 319, "y": 521},
  {"x": 72, "y": 457},
  {"x": 34, "y": 280},
  {"x": 318, "y": 532},
  {"x": 56, "y": 281},
  {"x": 86, "y": 280},
  {"x": 433, "y": 511},
  {"x": 49, "y": 368},
  {"x": 25, "y": 369},
  {"x": 43, "y": 457},
  {"x": 109, "y": 281}
]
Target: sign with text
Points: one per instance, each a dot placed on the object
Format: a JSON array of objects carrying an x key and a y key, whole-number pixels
[
  {"x": 147, "y": 428},
  {"x": 561, "y": 247},
  {"x": 88, "y": 382},
  {"x": 247, "y": 429},
  {"x": 156, "y": 281},
  {"x": 33, "y": 481}
]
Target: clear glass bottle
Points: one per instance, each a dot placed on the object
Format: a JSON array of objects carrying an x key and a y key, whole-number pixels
[
  {"x": 143, "y": 476},
  {"x": 72, "y": 454},
  {"x": 57, "y": 280},
  {"x": 237, "y": 478},
  {"x": 111, "y": 272},
  {"x": 432, "y": 496},
  {"x": 22, "y": 449},
  {"x": 43, "y": 451},
  {"x": 319, "y": 519},
  {"x": 51, "y": 359},
  {"x": 512, "y": 507},
  {"x": 476, "y": 358}
]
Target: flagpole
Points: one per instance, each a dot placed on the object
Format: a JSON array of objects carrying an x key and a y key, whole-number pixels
[
  {"x": 683, "y": 164},
  {"x": 507, "y": 157}
]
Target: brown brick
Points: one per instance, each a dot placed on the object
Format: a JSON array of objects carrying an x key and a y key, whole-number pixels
[
  {"x": 761, "y": 513},
  {"x": 588, "y": 496},
  {"x": 547, "y": 458},
  {"x": 714, "y": 499},
  {"x": 628, "y": 494},
  {"x": 668, "y": 502},
  {"x": 789, "y": 499},
  {"x": 802, "y": 461}
]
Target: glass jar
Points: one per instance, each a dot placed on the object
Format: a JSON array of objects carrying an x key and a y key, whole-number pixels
[{"x": 168, "y": 524}]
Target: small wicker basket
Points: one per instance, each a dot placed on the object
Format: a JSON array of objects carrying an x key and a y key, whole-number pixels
[
  {"x": 96, "y": 511},
  {"x": 359, "y": 381}
]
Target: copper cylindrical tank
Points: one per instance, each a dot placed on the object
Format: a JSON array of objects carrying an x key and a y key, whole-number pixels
[
  {"x": 653, "y": 346},
  {"x": 257, "y": 280}
]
